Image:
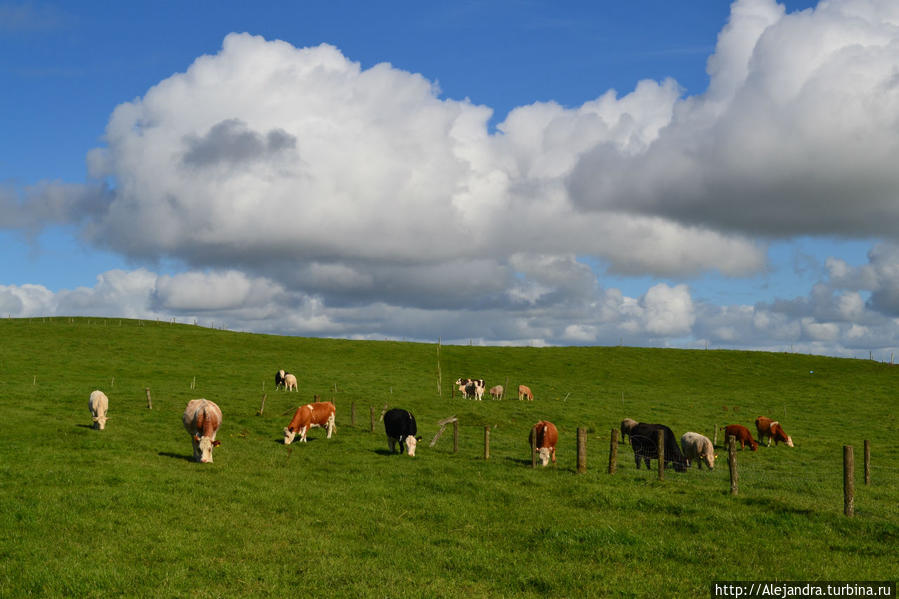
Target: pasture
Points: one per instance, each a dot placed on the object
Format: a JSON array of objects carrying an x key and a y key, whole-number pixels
[{"x": 123, "y": 512}]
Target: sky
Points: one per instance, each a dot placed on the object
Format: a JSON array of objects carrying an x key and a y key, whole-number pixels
[{"x": 513, "y": 172}]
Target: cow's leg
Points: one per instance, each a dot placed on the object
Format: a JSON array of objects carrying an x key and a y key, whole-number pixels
[{"x": 391, "y": 443}]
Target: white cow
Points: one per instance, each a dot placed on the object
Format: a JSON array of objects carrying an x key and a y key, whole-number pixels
[
  {"x": 698, "y": 447},
  {"x": 202, "y": 419},
  {"x": 98, "y": 404},
  {"x": 290, "y": 382}
]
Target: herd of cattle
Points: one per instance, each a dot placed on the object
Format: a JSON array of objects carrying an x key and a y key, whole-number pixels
[
  {"x": 694, "y": 446},
  {"x": 202, "y": 419}
]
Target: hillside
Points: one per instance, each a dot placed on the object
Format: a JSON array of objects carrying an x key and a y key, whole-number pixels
[{"x": 265, "y": 518}]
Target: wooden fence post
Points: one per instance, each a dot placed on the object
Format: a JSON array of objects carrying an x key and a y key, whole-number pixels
[
  {"x": 486, "y": 442},
  {"x": 660, "y": 441},
  {"x": 715, "y": 440},
  {"x": 262, "y": 407},
  {"x": 455, "y": 436},
  {"x": 867, "y": 462},
  {"x": 732, "y": 462},
  {"x": 613, "y": 452},
  {"x": 371, "y": 410},
  {"x": 581, "y": 450},
  {"x": 149, "y": 400},
  {"x": 533, "y": 448},
  {"x": 353, "y": 413},
  {"x": 848, "y": 481}
]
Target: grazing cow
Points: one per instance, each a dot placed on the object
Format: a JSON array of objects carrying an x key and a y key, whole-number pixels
[
  {"x": 772, "y": 430},
  {"x": 744, "y": 437},
  {"x": 496, "y": 392},
  {"x": 525, "y": 392},
  {"x": 309, "y": 416},
  {"x": 98, "y": 404},
  {"x": 202, "y": 419},
  {"x": 471, "y": 388},
  {"x": 644, "y": 441},
  {"x": 547, "y": 436},
  {"x": 401, "y": 428},
  {"x": 279, "y": 378},
  {"x": 290, "y": 382},
  {"x": 626, "y": 425},
  {"x": 698, "y": 447}
]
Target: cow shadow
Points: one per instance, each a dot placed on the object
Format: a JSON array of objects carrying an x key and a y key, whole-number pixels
[
  {"x": 90, "y": 426},
  {"x": 177, "y": 456},
  {"x": 386, "y": 452}
]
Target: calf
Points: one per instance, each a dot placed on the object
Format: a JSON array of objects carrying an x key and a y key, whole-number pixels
[
  {"x": 471, "y": 388},
  {"x": 309, "y": 416},
  {"x": 772, "y": 430},
  {"x": 496, "y": 392},
  {"x": 524, "y": 392},
  {"x": 626, "y": 425},
  {"x": 698, "y": 447},
  {"x": 290, "y": 382},
  {"x": 98, "y": 404},
  {"x": 644, "y": 441},
  {"x": 279, "y": 379},
  {"x": 546, "y": 438},
  {"x": 401, "y": 428},
  {"x": 202, "y": 419},
  {"x": 742, "y": 434}
]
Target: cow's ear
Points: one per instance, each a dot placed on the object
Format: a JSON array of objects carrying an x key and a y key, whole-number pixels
[
  {"x": 216, "y": 443},
  {"x": 418, "y": 438},
  {"x": 197, "y": 438}
]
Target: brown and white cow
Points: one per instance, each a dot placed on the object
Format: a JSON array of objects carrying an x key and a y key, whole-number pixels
[
  {"x": 772, "y": 430},
  {"x": 547, "y": 436},
  {"x": 98, "y": 404},
  {"x": 290, "y": 382},
  {"x": 524, "y": 392},
  {"x": 320, "y": 413},
  {"x": 496, "y": 392},
  {"x": 698, "y": 448},
  {"x": 744, "y": 437},
  {"x": 202, "y": 419}
]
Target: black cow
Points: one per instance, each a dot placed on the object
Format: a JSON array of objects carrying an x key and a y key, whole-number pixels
[
  {"x": 400, "y": 428},
  {"x": 644, "y": 441},
  {"x": 279, "y": 378}
]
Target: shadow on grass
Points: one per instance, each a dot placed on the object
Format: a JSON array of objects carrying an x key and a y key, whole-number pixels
[{"x": 178, "y": 456}]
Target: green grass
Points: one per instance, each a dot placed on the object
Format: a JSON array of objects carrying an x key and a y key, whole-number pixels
[{"x": 123, "y": 512}]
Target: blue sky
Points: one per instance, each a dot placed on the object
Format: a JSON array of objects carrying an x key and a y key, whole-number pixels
[{"x": 684, "y": 174}]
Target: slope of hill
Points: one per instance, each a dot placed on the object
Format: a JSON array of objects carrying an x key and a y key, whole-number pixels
[{"x": 123, "y": 511}]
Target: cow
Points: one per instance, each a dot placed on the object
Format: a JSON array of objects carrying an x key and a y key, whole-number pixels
[
  {"x": 546, "y": 436},
  {"x": 98, "y": 404},
  {"x": 626, "y": 425},
  {"x": 772, "y": 430},
  {"x": 309, "y": 416},
  {"x": 202, "y": 419},
  {"x": 644, "y": 441},
  {"x": 525, "y": 392},
  {"x": 400, "y": 427},
  {"x": 742, "y": 434},
  {"x": 290, "y": 382},
  {"x": 496, "y": 392},
  {"x": 279, "y": 378},
  {"x": 698, "y": 447},
  {"x": 471, "y": 388}
]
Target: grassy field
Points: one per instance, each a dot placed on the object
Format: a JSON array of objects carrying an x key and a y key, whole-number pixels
[{"x": 124, "y": 512}]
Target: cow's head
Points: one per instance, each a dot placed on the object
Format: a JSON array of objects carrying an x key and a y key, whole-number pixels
[
  {"x": 205, "y": 445},
  {"x": 100, "y": 422},
  {"x": 411, "y": 443},
  {"x": 289, "y": 435},
  {"x": 545, "y": 453}
]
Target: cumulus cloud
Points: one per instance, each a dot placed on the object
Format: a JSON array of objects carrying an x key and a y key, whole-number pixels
[{"x": 795, "y": 135}]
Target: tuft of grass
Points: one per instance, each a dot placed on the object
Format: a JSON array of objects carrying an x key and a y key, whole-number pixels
[{"x": 124, "y": 512}]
